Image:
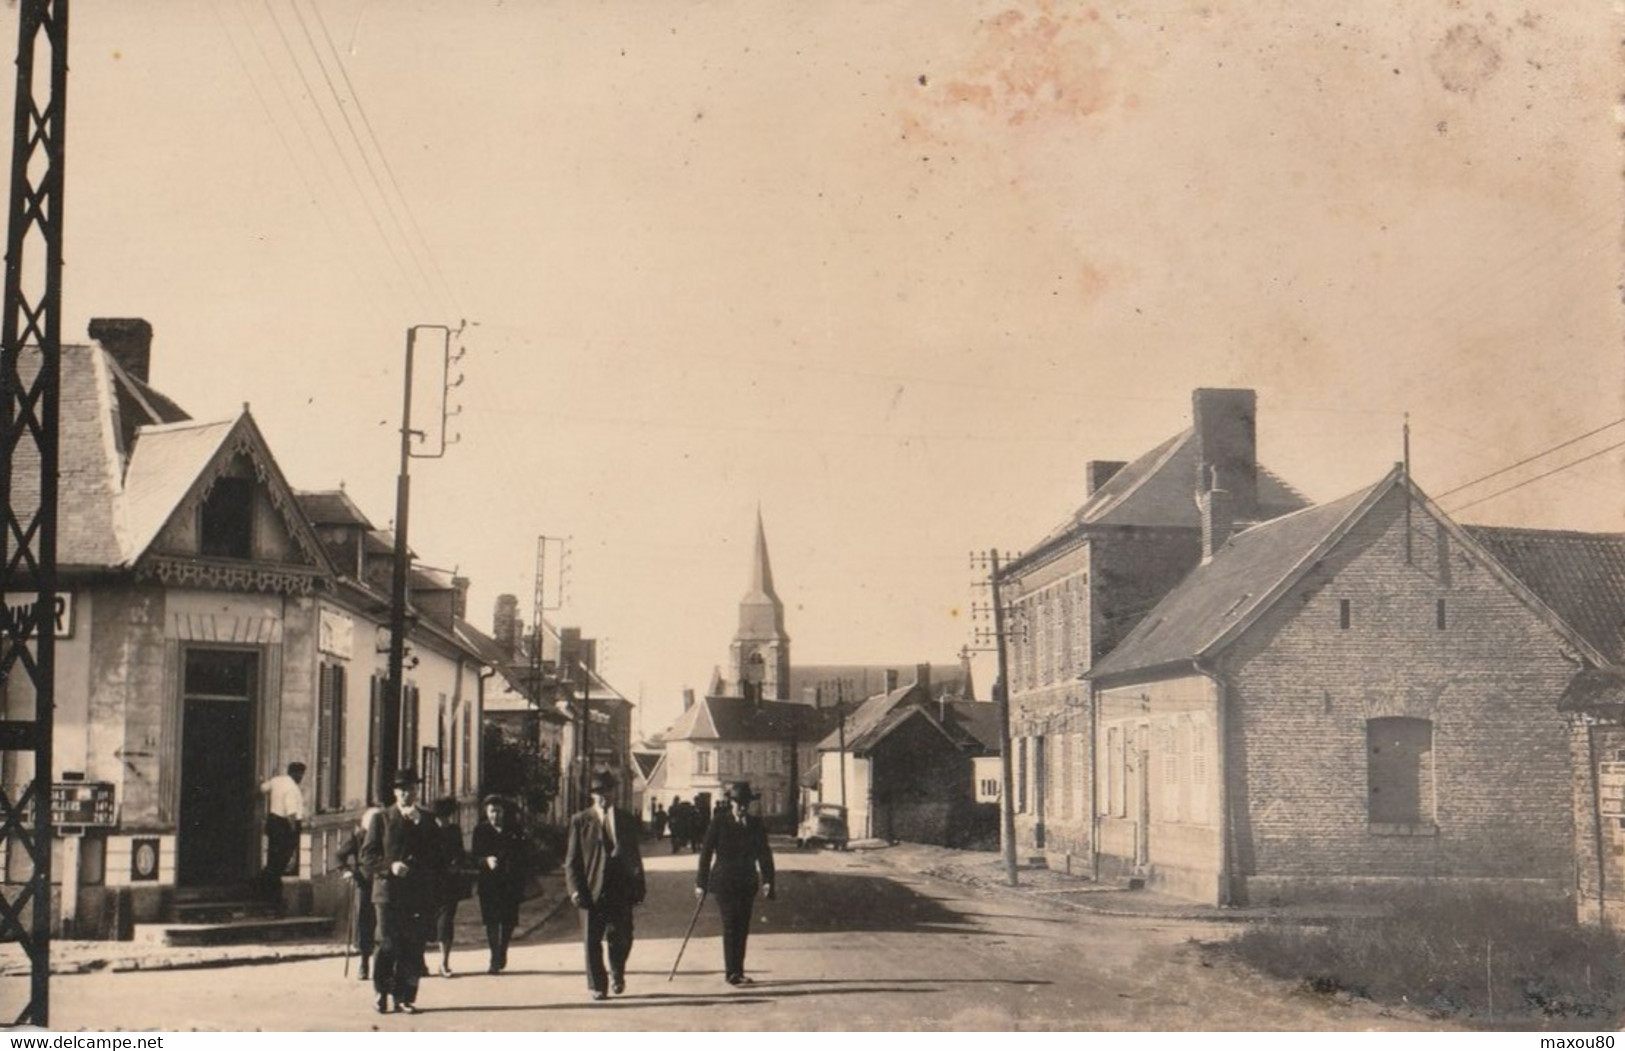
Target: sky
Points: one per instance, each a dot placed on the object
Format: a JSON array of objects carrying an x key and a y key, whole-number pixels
[{"x": 887, "y": 274}]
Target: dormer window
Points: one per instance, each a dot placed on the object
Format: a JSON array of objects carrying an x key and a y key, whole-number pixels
[{"x": 226, "y": 526}]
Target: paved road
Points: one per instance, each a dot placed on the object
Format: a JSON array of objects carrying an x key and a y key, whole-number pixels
[{"x": 851, "y": 944}]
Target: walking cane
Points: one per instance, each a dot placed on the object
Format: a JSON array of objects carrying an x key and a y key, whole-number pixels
[
  {"x": 692, "y": 921},
  {"x": 349, "y": 927}
]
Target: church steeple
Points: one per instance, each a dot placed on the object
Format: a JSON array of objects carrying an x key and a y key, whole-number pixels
[{"x": 761, "y": 639}]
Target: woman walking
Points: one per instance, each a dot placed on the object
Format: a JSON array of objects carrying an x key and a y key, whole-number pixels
[{"x": 454, "y": 878}]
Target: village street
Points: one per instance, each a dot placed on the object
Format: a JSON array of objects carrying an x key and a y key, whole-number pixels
[{"x": 853, "y": 943}]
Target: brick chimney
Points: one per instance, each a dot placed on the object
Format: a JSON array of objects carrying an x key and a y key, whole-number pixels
[
  {"x": 922, "y": 675},
  {"x": 688, "y": 698},
  {"x": 1097, "y": 473},
  {"x": 505, "y": 625},
  {"x": 891, "y": 679},
  {"x": 1227, "y": 448},
  {"x": 128, "y": 340},
  {"x": 459, "y": 600}
]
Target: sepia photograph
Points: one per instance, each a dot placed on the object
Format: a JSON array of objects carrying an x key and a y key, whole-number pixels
[{"x": 884, "y": 516}]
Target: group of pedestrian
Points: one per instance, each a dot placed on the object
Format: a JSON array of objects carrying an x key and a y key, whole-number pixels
[
  {"x": 687, "y": 823},
  {"x": 603, "y": 873},
  {"x": 411, "y": 871}
]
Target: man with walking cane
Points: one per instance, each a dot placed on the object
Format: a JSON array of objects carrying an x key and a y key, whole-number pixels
[
  {"x": 362, "y": 925},
  {"x": 735, "y": 851}
]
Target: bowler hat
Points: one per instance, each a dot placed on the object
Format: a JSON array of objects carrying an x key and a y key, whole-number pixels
[
  {"x": 405, "y": 777},
  {"x": 602, "y": 781},
  {"x": 740, "y": 791}
]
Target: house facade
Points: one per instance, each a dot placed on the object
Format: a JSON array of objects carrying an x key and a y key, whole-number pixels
[
  {"x": 208, "y": 638},
  {"x": 1083, "y": 587},
  {"x": 904, "y": 764},
  {"x": 1349, "y": 698}
]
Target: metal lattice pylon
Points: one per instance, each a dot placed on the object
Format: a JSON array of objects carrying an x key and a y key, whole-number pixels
[{"x": 30, "y": 372}]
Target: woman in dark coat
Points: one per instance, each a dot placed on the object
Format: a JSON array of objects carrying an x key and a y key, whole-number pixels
[
  {"x": 499, "y": 854},
  {"x": 454, "y": 878}
]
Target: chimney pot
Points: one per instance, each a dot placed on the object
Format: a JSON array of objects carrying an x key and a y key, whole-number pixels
[{"x": 1227, "y": 446}]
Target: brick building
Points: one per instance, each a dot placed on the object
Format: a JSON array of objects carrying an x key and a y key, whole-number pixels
[
  {"x": 1353, "y": 696},
  {"x": 1581, "y": 577},
  {"x": 1077, "y": 593}
]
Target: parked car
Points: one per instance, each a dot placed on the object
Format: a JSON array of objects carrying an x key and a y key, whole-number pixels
[{"x": 824, "y": 825}]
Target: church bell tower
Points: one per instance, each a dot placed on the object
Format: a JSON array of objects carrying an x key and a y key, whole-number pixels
[{"x": 759, "y": 659}]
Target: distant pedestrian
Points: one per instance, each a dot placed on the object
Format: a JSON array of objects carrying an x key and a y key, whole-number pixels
[
  {"x": 682, "y": 824},
  {"x": 455, "y": 878},
  {"x": 699, "y": 819},
  {"x": 365, "y": 920},
  {"x": 657, "y": 822},
  {"x": 734, "y": 862},
  {"x": 499, "y": 855},
  {"x": 402, "y": 855},
  {"x": 285, "y": 810},
  {"x": 603, "y": 871}
]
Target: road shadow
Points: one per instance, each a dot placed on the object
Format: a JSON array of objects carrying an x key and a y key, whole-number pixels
[{"x": 806, "y": 903}]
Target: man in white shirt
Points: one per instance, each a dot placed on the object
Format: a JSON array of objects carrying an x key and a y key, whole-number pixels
[{"x": 285, "y": 810}]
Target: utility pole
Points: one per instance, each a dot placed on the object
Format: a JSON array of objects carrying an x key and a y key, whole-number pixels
[
  {"x": 1001, "y": 696},
  {"x": 389, "y": 751},
  {"x": 29, "y": 428}
]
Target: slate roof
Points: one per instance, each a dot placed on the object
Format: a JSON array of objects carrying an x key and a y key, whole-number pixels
[
  {"x": 1581, "y": 576},
  {"x": 1158, "y": 490},
  {"x": 1242, "y": 578},
  {"x": 166, "y": 463},
  {"x": 331, "y": 507},
  {"x": 869, "y": 679},
  {"x": 736, "y": 719},
  {"x": 978, "y": 721}
]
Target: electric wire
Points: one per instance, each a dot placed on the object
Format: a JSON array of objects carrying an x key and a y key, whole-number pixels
[
  {"x": 315, "y": 196},
  {"x": 1531, "y": 459},
  {"x": 1547, "y": 474},
  {"x": 344, "y": 160},
  {"x": 389, "y": 169}
]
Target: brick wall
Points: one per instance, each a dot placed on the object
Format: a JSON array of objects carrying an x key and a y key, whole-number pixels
[
  {"x": 1599, "y": 822},
  {"x": 1302, "y": 690}
]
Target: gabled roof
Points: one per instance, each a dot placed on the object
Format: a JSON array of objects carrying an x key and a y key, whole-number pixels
[
  {"x": 646, "y": 762},
  {"x": 1581, "y": 576},
  {"x": 332, "y": 507},
  {"x": 167, "y": 461},
  {"x": 1157, "y": 490},
  {"x": 1224, "y": 596},
  {"x": 736, "y": 719},
  {"x": 863, "y": 720},
  {"x": 978, "y": 721},
  {"x": 1242, "y": 578}
]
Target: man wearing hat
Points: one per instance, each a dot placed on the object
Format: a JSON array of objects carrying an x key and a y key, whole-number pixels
[
  {"x": 603, "y": 871},
  {"x": 402, "y": 855},
  {"x": 735, "y": 851}
]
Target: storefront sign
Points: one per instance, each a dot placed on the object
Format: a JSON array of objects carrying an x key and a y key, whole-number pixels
[{"x": 19, "y": 603}]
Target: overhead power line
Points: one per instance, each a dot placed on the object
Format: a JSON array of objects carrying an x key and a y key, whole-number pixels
[
  {"x": 1538, "y": 477},
  {"x": 1530, "y": 459}
]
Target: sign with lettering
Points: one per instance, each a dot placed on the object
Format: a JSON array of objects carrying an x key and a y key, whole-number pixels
[
  {"x": 82, "y": 803},
  {"x": 19, "y": 603}
]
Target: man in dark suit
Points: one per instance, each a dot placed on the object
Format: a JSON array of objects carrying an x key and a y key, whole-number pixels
[
  {"x": 402, "y": 855},
  {"x": 735, "y": 852},
  {"x": 603, "y": 871}
]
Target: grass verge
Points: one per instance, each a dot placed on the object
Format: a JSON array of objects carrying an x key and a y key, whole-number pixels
[{"x": 1474, "y": 956}]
